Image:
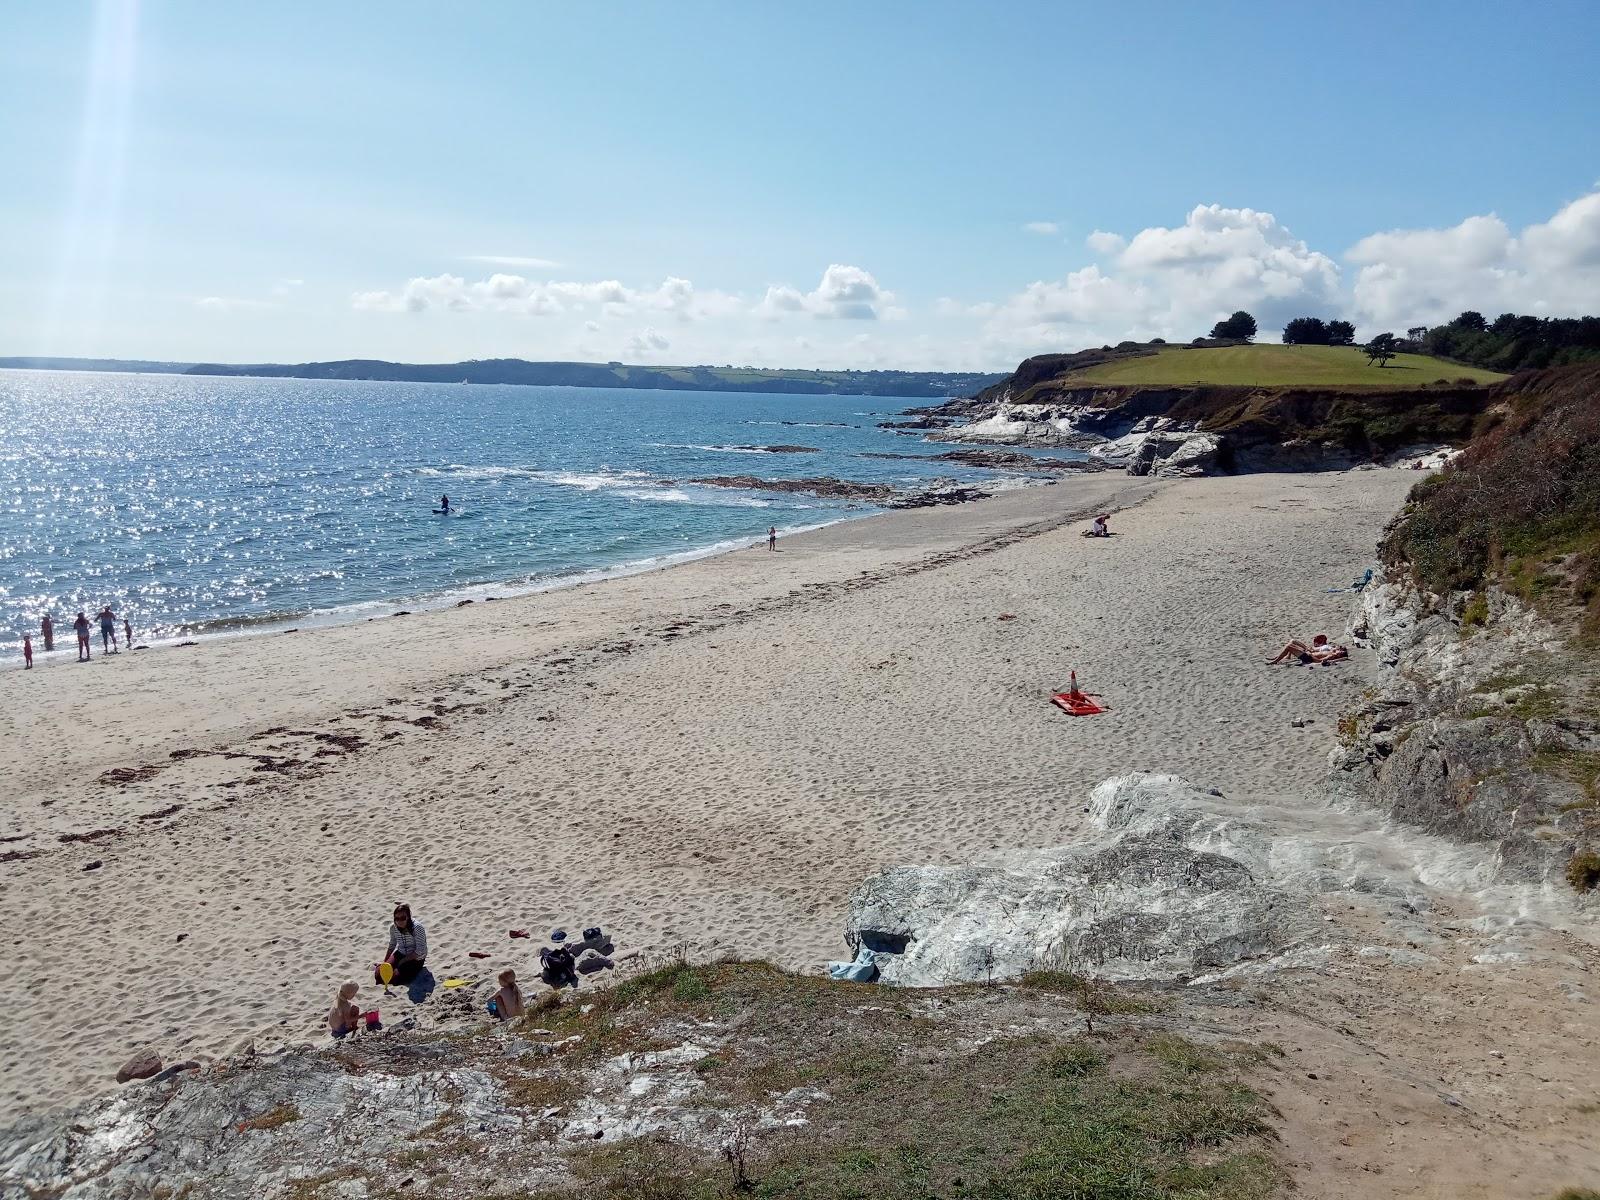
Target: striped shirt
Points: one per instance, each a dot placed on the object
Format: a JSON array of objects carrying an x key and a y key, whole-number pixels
[{"x": 409, "y": 943}]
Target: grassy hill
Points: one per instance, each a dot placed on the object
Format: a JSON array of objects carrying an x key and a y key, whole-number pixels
[{"x": 1276, "y": 366}]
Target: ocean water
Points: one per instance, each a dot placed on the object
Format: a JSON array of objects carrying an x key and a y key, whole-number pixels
[{"x": 203, "y": 505}]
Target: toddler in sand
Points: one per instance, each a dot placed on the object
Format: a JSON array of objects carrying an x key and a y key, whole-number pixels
[
  {"x": 507, "y": 1002},
  {"x": 345, "y": 1015}
]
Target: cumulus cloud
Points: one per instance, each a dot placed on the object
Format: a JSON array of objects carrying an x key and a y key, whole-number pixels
[
  {"x": 1042, "y": 228},
  {"x": 646, "y": 343},
  {"x": 845, "y": 293},
  {"x": 1411, "y": 276},
  {"x": 1104, "y": 244},
  {"x": 507, "y": 293},
  {"x": 1171, "y": 283}
]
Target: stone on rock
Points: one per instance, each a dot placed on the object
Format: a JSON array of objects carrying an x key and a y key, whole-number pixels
[
  {"x": 142, "y": 1065},
  {"x": 1161, "y": 887}
]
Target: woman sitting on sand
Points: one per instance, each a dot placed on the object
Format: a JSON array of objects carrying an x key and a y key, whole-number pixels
[
  {"x": 343, "y": 1018},
  {"x": 408, "y": 945},
  {"x": 1321, "y": 651},
  {"x": 507, "y": 1002}
]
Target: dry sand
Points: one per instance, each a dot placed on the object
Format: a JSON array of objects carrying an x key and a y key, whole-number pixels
[{"x": 717, "y": 754}]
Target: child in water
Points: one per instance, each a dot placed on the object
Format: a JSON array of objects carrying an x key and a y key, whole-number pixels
[
  {"x": 345, "y": 1015},
  {"x": 507, "y": 1002}
]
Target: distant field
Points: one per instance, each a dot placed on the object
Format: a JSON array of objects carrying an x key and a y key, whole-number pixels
[{"x": 1287, "y": 366}]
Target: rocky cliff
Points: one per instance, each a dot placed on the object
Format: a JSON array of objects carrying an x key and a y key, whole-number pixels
[{"x": 1203, "y": 428}]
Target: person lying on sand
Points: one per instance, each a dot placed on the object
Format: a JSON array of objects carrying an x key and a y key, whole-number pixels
[
  {"x": 1321, "y": 650},
  {"x": 507, "y": 1002},
  {"x": 345, "y": 1016},
  {"x": 408, "y": 945}
]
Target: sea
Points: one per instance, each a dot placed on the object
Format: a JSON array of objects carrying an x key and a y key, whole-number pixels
[{"x": 196, "y": 505}]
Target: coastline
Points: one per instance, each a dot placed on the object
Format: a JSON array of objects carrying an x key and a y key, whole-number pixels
[{"x": 714, "y": 753}]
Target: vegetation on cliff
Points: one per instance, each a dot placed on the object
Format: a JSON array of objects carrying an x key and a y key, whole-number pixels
[
  {"x": 1521, "y": 507},
  {"x": 1276, "y": 366},
  {"x": 1511, "y": 342}
]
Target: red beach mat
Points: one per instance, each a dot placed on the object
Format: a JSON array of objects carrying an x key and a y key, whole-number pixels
[{"x": 1077, "y": 703}]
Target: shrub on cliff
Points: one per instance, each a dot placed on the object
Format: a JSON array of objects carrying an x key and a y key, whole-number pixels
[{"x": 1521, "y": 506}]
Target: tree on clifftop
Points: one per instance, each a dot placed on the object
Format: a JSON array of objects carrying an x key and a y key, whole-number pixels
[
  {"x": 1381, "y": 349},
  {"x": 1240, "y": 327},
  {"x": 1341, "y": 333},
  {"x": 1471, "y": 320},
  {"x": 1305, "y": 331}
]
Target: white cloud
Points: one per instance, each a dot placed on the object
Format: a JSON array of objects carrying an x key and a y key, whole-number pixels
[
  {"x": 506, "y": 293},
  {"x": 646, "y": 343},
  {"x": 845, "y": 292},
  {"x": 1173, "y": 283},
  {"x": 509, "y": 260},
  {"x": 1106, "y": 245},
  {"x": 1412, "y": 276},
  {"x": 1042, "y": 228}
]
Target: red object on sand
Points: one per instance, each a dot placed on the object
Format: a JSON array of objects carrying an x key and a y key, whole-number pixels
[
  {"x": 1077, "y": 703},
  {"x": 519, "y": 933},
  {"x": 476, "y": 954}
]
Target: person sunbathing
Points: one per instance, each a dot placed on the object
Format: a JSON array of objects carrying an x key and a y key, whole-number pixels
[{"x": 1321, "y": 650}]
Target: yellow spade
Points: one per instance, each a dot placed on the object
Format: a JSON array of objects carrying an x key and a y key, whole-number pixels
[{"x": 386, "y": 973}]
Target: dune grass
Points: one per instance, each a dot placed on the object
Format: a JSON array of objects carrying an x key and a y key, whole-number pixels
[{"x": 1280, "y": 366}]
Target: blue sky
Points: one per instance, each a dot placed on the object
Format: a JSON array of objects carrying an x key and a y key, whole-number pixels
[{"x": 810, "y": 184}]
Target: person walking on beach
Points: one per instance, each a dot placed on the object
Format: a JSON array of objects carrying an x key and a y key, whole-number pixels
[
  {"x": 48, "y": 630},
  {"x": 27, "y": 653},
  {"x": 408, "y": 945},
  {"x": 108, "y": 631},
  {"x": 772, "y": 537},
  {"x": 81, "y": 625}
]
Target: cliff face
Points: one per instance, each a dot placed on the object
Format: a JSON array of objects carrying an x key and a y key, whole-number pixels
[
  {"x": 1260, "y": 428},
  {"x": 1485, "y": 727}
]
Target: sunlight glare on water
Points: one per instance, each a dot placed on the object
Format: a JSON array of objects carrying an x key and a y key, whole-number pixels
[{"x": 195, "y": 503}]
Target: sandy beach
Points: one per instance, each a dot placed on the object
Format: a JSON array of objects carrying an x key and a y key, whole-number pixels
[{"x": 715, "y": 755}]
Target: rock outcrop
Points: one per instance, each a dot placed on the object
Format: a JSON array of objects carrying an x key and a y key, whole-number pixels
[
  {"x": 1454, "y": 737},
  {"x": 1256, "y": 428},
  {"x": 1165, "y": 886}
]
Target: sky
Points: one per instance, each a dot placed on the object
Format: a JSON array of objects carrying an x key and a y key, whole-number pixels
[{"x": 889, "y": 185}]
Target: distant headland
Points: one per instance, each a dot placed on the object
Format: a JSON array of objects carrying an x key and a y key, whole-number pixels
[{"x": 935, "y": 384}]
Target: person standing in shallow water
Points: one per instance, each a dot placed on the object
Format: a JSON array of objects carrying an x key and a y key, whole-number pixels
[
  {"x": 772, "y": 537},
  {"x": 47, "y": 630},
  {"x": 81, "y": 627},
  {"x": 27, "y": 653},
  {"x": 127, "y": 633},
  {"x": 108, "y": 631}
]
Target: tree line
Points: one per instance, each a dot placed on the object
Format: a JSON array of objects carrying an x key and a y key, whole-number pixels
[{"x": 1509, "y": 343}]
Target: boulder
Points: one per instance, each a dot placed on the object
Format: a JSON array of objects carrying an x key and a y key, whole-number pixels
[
  {"x": 1161, "y": 887},
  {"x": 142, "y": 1065},
  {"x": 1176, "y": 454}
]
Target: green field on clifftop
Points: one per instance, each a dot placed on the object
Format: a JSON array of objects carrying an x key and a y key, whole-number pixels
[{"x": 1279, "y": 366}]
